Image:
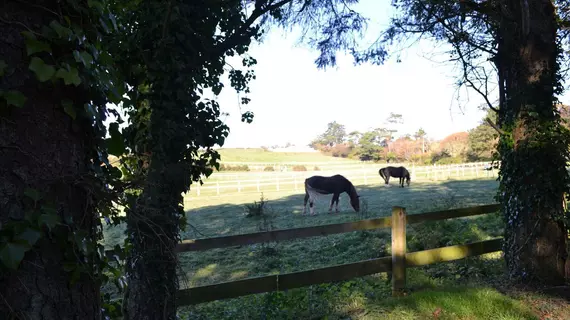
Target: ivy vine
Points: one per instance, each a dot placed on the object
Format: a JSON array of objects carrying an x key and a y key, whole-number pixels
[{"x": 73, "y": 50}]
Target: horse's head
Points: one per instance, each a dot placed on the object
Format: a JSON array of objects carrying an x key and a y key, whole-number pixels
[
  {"x": 355, "y": 202},
  {"x": 408, "y": 180}
]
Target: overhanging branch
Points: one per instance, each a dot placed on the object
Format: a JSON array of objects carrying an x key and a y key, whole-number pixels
[
  {"x": 240, "y": 34},
  {"x": 494, "y": 126}
]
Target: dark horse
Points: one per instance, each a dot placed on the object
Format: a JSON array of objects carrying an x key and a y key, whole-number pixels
[
  {"x": 336, "y": 185},
  {"x": 396, "y": 172}
]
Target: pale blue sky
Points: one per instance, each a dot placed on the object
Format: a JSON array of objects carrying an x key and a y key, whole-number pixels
[{"x": 293, "y": 101}]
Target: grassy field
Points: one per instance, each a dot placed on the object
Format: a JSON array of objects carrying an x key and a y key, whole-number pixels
[
  {"x": 260, "y": 155},
  {"x": 465, "y": 289}
]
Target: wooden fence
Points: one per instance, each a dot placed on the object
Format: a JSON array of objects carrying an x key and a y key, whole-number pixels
[
  {"x": 232, "y": 183},
  {"x": 396, "y": 263}
]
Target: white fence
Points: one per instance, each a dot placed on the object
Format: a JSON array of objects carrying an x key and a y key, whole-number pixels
[{"x": 232, "y": 183}]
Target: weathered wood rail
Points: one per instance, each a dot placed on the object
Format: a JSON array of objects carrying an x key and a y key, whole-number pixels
[
  {"x": 327, "y": 229},
  {"x": 397, "y": 263}
]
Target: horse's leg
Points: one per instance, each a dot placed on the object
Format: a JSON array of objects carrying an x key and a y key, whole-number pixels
[
  {"x": 305, "y": 202},
  {"x": 333, "y": 200},
  {"x": 337, "y": 198},
  {"x": 311, "y": 206}
]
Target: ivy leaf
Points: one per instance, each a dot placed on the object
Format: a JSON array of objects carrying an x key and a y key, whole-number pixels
[
  {"x": 48, "y": 219},
  {"x": 28, "y": 35},
  {"x": 115, "y": 173},
  {"x": 3, "y": 66},
  {"x": 68, "y": 108},
  {"x": 12, "y": 253},
  {"x": 115, "y": 144},
  {"x": 89, "y": 109},
  {"x": 75, "y": 276},
  {"x": 247, "y": 117},
  {"x": 83, "y": 57},
  {"x": 43, "y": 71},
  {"x": 34, "y": 46},
  {"x": 32, "y": 194},
  {"x": 217, "y": 88},
  {"x": 69, "y": 77},
  {"x": 30, "y": 236},
  {"x": 15, "y": 98},
  {"x": 98, "y": 5},
  {"x": 69, "y": 266},
  {"x": 62, "y": 32}
]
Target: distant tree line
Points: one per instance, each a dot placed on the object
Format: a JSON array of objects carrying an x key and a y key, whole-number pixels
[{"x": 379, "y": 144}]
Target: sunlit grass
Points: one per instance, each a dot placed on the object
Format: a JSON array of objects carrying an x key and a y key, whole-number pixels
[
  {"x": 360, "y": 298},
  {"x": 452, "y": 303}
]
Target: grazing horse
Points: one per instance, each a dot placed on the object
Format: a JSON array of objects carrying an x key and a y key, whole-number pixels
[
  {"x": 396, "y": 172},
  {"x": 336, "y": 185}
]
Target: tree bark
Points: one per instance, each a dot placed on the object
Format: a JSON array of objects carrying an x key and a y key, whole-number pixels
[
  {"x": 533, "y": 168},
  {"x": 153, "y": 225},
  {"x": 40, "y": 148}
]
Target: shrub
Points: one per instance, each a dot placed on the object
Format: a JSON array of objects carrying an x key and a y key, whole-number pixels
[
  {"x": 340, "y": 150},
  {"x": 316, "y": 168},
  {"x": 450, "y": 160},
  {"x": 299, "y": 168},
  {"x": 255, "y": 209},
  {"x": 224, "y": 167},
  {"x": 268, "y": 168}
]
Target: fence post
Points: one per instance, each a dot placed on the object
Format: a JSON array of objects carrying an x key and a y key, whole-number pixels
[{"x": 398, "y": 250}]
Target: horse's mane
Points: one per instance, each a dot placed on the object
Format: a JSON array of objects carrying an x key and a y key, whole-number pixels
[{"x": 351, "y": 189}]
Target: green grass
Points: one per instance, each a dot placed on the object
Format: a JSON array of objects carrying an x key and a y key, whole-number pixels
[
  {"x": 460, "y": 289},
  {"x": 260, "y": 155},
  {"x": 362, "y": 299},
  {"x": 471, "y": 288}
]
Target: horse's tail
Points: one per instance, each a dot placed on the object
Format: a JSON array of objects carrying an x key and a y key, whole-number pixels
[
  {"x": 381, "y": 172},
  {"x": 312, "y": 192}
]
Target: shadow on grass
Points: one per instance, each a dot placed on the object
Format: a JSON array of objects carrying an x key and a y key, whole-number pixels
[
  {"x": 228, "y": 219},
  {"x": 286, "y": 211},
  {"x": 302, "y": 254},
  {"x": 369, "y": 298}
]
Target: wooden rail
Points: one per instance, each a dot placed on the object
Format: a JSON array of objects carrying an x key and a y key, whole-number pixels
[
  {"x": 280, "y": 282},
  {"x": 396, "y": 263},
  {"x": 327, "y": 229},
  {"x": 233, "y": 289}
]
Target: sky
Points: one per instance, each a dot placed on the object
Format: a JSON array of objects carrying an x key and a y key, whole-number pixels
[{"x": 293, "y": 100}]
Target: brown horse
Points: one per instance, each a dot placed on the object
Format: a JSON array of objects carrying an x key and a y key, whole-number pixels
[
  {"x": 396, "y": 172},
  {"x": 336, "y": 185}
]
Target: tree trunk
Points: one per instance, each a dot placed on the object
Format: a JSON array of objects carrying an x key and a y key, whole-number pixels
[
  {"x": 40, "y": 149},
  {"x": 534, "y": 149},
  {"x": 153, "y": 226}
]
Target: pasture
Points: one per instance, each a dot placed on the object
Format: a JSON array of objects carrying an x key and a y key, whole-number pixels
[
  {"x": 465, "y": 289},
  {"x": 250, "y": 155}
]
